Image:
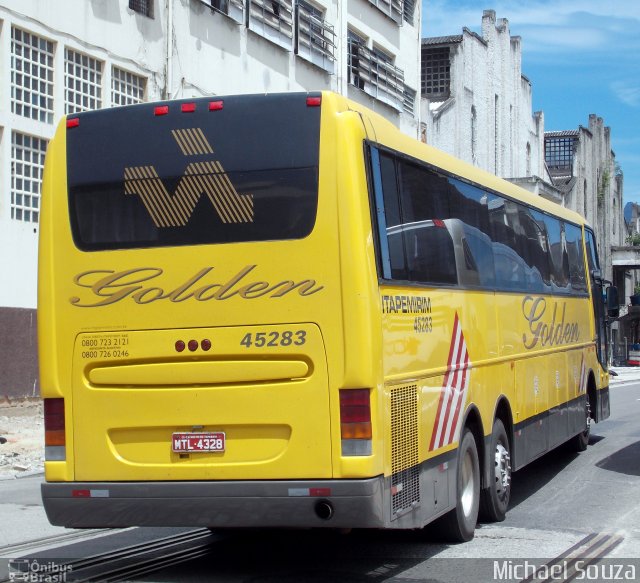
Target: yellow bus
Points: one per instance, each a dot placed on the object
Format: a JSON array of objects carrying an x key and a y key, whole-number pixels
[{"x": 279, "y": 311}]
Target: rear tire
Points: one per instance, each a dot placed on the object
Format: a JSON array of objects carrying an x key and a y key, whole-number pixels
[
  {"x": 459, "y": 524},
  {"x": 581, "y": 441},
  {"x": 494, "y": 500}
]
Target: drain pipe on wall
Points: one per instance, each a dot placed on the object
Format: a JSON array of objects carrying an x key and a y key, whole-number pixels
[{"x": 169, "y": 64}]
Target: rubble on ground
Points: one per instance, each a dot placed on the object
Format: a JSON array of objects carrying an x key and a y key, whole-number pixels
[{"x": 22, "y": 426}]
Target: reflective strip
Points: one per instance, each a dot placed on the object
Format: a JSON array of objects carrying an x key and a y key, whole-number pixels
[{"x": 55, "y": 453}]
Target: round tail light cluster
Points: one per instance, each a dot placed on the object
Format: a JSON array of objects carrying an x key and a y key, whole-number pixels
[{"x": 193, "y": 345}]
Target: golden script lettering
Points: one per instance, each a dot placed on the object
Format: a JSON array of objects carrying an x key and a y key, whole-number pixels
[
  {"x": 547, "y": 333},
  {"x": 114, "y": 286}
]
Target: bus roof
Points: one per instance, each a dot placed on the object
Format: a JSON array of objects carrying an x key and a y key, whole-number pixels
[{"x": 387, "y": 134}]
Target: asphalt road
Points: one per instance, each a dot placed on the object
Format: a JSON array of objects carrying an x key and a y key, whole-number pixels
[{"x": 563, "y": 500}]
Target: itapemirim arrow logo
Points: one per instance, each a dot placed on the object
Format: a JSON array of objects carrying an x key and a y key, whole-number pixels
[{"x": 199, "y": 178}]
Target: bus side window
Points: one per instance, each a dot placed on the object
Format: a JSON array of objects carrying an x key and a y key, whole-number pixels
[
  {"x": 558, "y": 255},
  {"x": 576, "y": 258},
  {"x": 392, "y": 212},
  {"x": 431, "y": 256}
]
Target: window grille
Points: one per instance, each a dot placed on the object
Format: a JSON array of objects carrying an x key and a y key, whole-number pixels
[
  {"x": 31, "y": 76},
  {"x": 234, "y": 9},
  {"x": 558, "y": 153},
  {"x": 436, "y": 72},
  {"x": 315, "y": 38},
  {"x": 83, "y": 82},
  {"x": 27, "y": 163},
  {"x": 142, "y": 6},
  {"x": 391, "y": 8},
  {"x": 273, "y": 20},
  {"x": 126, "y": 88},
  {"x": 374, "y": 74}
]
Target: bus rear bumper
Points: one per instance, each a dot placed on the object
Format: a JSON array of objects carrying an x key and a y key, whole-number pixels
[{"x": 300, "y": 503}]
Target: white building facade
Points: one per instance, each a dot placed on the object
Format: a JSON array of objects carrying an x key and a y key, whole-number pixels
[
  {"x": 72, "y": 55},
  {"x": 477, "y": 105},
  {"x": 583, "y": 166}
]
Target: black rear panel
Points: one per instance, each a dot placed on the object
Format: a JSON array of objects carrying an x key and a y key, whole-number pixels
[{"x": 246, "y": 172}]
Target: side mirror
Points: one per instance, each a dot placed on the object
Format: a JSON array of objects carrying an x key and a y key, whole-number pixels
[{"x": 613, "y": 305}]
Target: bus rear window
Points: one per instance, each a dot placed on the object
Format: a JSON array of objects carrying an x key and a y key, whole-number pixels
[{"x": 246, "y": 172}]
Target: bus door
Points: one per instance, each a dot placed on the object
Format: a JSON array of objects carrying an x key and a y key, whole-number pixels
[{"x": 597, "y": 297}]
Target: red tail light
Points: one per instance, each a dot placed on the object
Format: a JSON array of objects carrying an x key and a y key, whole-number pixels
[
  {"x": 355, "y": 414},
  {"x": 73, "y": 122},
  {"x": 314, "y": 101},
  {"x": 188, "y": 107},
  {"x": 54, "y": 422},
  {"x": 216, "y": 105},
  {"x": 161, "y": 110}
]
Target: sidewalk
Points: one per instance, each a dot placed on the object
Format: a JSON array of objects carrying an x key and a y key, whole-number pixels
[{"x": 625, "y": 374}]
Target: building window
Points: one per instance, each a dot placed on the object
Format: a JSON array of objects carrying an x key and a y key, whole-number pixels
[
  {"x": 436, "y": 72},
  {"x": 142, "y": 6},
  {"x": 474, "y": 134},
  {"x": 373, "y": 72},
  {"x": 27, "y": 163},
  {"x": 315, "y": 38},
  {"x": 31, "y": 76},
  {"x": 558, "y": 153},
  {"x": 355, "y": 45},
  {"x": 273, "y": 20},
  {"x": 409, "y": 101},
  {"x": 83, "y": 82},
  {"x": 586, "y": 200},
  {"x": 126, "y": 88},
  {"x": 496, "y": 134},
  {"x": 391, "y": 8},
  {"x": 234, "y": 9},
  {"x": 408, "y": 10}
]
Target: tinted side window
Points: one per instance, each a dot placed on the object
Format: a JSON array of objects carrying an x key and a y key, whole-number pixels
[
  {"x": 424, "y": 204},
  {"x": 559, "y": 255},
  {"x": 395, "y": 237},
  {"x": 443, "y": 230},
  {"x": 592, "y": 251},
  {"x": 575, "y": 253}
]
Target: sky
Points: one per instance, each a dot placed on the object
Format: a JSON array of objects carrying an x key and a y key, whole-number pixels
[{"x": 581, "y": 56}]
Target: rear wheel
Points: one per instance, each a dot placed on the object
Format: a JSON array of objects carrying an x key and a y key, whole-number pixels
[
  {"x": 581, "y": 440},
  {"x": 494, "y": 500},
  {"x": 459, "y": 524}
]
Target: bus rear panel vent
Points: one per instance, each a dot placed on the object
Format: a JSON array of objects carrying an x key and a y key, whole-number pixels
[{"x": 405, "y": 478}]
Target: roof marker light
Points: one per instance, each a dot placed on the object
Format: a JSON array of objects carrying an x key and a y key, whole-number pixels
[
  {"x": 188, "y": 107},
  {"x": 314, "y": 101},
  {"x": 161, "y": 110},
  {"x": 216, "y": 105},
  {"x": 73, "y": 122}
]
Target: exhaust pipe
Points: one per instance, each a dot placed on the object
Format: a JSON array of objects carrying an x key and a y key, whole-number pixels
[{"x": 324, "y": 510}]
